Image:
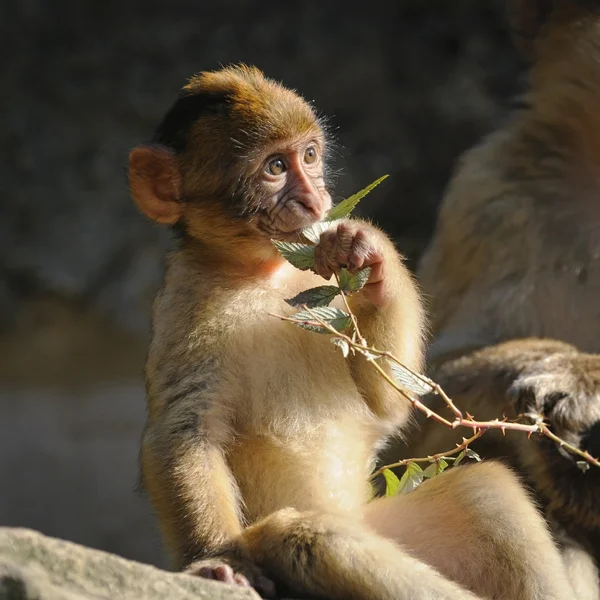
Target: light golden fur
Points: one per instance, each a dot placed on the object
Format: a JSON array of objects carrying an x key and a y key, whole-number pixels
[{"x": 261, "y": 437}]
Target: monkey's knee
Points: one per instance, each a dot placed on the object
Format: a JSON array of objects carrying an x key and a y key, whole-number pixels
[
  {"x": 292, "y": 538},
  {"x": 288, "y": 546}
]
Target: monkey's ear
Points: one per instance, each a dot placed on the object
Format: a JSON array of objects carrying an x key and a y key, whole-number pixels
[
  {"x": 155, "y": 182},
  {"x": 526, "y": 19}
]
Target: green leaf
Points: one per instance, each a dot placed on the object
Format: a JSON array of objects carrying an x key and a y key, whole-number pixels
[
  {"x": 435, "y": 468},
  {"x": 466, "y": 453},
  {"x": 335, "y": 317},
  {"x": 319, "y": 296},
  {"x": 472, "y": 455},
  {"x": 584, "y": 465},
  {"x": 345, "y": 207},
  {"x": 352, "y": 283},
  {"x": 302, "y": 256},
  {"x": 313, "y": 232},
  {"x": 342, "y": 345},
  {"x": 392, "y": 483},
  {"x": 409, "y": 381},
  {"x": 411, "y": 479},
  {"x": 459, "y": 458}
]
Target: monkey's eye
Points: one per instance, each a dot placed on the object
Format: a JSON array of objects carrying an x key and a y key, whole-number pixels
[
  {"x": 310, "y": 155},
  {"x": 276, "y": 167}
]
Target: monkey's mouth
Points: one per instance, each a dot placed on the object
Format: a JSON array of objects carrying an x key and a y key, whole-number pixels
[
  {"x": 267, "y": 228},
  {"x": 286, "y": 236}
]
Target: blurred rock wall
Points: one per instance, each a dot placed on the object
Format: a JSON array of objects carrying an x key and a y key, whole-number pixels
[{"x": 408, "y": 85}]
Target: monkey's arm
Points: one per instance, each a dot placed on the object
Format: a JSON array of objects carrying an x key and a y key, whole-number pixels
[
  {"x": 539, "y": 376},
  {"x": 388, "y": 308},
  {"x": 196, "y": 501},
  {"x": 192, "y": 491},
  {"x": 527, "y": 376}
]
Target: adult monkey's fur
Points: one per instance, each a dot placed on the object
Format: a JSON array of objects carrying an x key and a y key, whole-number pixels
[{"x": 516, "y": 257}]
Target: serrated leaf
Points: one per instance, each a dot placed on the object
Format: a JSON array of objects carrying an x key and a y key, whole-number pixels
[
  {"x": 352, "y": 283},
  {"x": 459, "y": 458},
  {"x": 335, "y": 317},
  {"x": 342, "y": 345},
  {"x": 313, "y": 232},
  {"x": 302, "y": 256},
  {"x": 319, "y": 296},
  {"x": 411, "y": 478},
  {"x": 392, "y": 483},
  {"x": 409, "y": 381},
  {"x": 472, "y": 455},
  {"x": 435, "y": 468},
  {"x": 345, "y": 207},
  {"x": 583, "y": 465},
  {"x": 466, "y": 453}
]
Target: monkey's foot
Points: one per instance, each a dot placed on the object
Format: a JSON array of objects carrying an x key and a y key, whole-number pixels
[{"x": 238, "y": 574}]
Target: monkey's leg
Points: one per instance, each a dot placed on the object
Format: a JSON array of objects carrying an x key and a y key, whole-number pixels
[
  {"x": 333, "y": 557},
  {"x": 478, "y": 527}
]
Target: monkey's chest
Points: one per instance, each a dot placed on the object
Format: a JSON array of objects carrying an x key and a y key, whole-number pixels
[{"x": 285, "y": 375}]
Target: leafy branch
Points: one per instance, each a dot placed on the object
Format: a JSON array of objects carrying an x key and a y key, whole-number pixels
[{"x": 317, "y": 316}]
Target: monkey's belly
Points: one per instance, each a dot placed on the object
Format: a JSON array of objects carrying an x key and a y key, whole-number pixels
[{"x": 325, "y": 468}]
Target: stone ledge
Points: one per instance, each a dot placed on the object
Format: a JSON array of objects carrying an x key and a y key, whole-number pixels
[{"x": 36, "y": 567}]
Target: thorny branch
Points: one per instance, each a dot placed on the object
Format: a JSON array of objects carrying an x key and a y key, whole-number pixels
[
  {"x": 357, "y": 343},
  {"x": 434, "y": 457},
  {"x": 302, "y": 256}
]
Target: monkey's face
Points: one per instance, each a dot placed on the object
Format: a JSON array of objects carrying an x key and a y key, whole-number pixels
[
  {"x": 289, "y": 191},
  {"x": 238, "y": 157}
]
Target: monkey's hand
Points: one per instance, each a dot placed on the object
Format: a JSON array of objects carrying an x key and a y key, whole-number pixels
[
  {"x": 234, "y": 572},
  {"x": 564, "y": 389},
  {"x": 355, "y": 245}
]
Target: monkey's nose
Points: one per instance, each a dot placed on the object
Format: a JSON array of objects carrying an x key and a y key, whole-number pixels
[{"x": 312, "y": 204}]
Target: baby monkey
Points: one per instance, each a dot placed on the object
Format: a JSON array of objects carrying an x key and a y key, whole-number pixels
[{"x": 260, "y": 435}]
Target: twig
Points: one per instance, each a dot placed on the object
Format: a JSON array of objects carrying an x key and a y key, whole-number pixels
[
  {"x": 356, "y": 331},
  {"x": 433, "y": 458},
  {"x": 479, "y": 427}
]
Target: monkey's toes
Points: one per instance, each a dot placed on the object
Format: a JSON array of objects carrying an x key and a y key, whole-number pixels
[
  {"x": 222, "y": 573},
  {"x": 228, "y": 574}
]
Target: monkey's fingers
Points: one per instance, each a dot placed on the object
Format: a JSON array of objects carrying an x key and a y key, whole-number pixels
[{"x": 325, "y": 263}]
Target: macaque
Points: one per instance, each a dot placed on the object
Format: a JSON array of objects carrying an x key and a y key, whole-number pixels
[
  {"x": 261, "y": 436},
  {"x": 513, "y": 278}
]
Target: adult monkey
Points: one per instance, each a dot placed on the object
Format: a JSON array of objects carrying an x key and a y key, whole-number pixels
[
  {"x": 516, "y": 257},
  {"x": 260, "y": 436}
]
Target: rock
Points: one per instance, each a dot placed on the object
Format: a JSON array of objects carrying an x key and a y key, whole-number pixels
[{"x": 36, "y": 567}]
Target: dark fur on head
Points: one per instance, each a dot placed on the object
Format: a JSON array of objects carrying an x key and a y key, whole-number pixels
[{"x": 223, "y": 121}]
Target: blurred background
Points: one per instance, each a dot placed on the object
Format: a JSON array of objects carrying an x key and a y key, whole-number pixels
[{"x": 408, "y": 84}]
